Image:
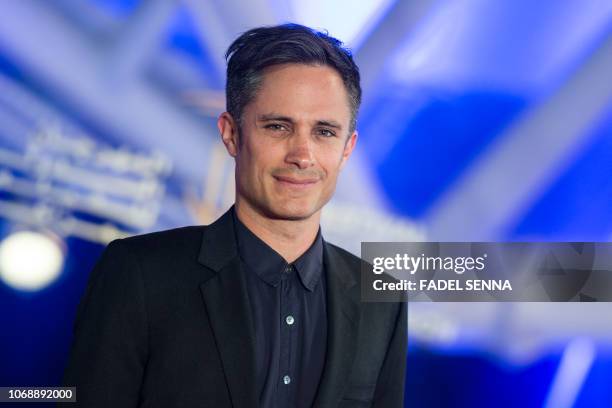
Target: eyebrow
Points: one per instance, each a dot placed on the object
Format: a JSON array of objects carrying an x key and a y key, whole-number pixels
[{"x": 272, "y": 116}]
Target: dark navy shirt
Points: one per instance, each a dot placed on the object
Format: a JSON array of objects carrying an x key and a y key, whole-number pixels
[{"x": 288, "y": 305}]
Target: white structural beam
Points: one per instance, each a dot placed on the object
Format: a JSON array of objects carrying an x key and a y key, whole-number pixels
[
  {"x": 139, "y": 39},
  {"x": 71, "y": 66},
  {"x": 219, "y": 23},
  {"x": 386, "y": 37}
]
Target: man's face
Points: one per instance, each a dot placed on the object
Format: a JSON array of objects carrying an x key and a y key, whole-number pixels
[{"x": 294, "y": 140}]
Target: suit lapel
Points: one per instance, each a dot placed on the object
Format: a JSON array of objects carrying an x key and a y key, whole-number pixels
[
  {"x": 226, "y": 300},
  {"x": 343, "y": 326}
]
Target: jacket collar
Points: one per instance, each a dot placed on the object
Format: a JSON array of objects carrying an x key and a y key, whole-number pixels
[
  {"x": 219, "y": 243},
  {"x": 343, "y": 316},
  {"x": 226, "y": 300}
]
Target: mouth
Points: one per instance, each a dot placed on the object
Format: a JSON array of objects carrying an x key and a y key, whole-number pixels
[{"x": 295, "y": 182}]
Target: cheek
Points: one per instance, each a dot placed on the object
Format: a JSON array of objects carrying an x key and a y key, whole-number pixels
[
  {"x": 330, "y": 160},
  {"x": 255, "y": 162}
]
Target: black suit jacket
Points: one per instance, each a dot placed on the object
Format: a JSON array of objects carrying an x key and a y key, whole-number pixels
[{"x": 165, "y": 322}]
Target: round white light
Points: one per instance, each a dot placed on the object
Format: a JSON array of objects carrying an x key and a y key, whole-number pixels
[{"x": 30, "y": 261}]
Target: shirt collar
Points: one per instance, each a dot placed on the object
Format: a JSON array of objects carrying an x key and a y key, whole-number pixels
[{"x": 269, "y": 264}]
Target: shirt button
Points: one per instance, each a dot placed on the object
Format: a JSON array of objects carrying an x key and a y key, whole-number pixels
[
  {"x": 289, "y": 319},
  {"x": 286, "y": 379},
  {"x": 288, "y": 269}
]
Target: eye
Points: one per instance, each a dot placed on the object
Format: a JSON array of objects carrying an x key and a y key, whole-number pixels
[
  {"x": 325, "y": 133},
  {"x": 275, "y": 126}
]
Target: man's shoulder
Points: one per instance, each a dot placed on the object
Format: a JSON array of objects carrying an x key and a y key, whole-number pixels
[
  {"x": 345, "y": 260},
  {"x": 179, "y": 234},
  {"x": 164, "y": 244},
  {"x": 341, "y": 253},
  {"x": 163, "y": 259}
]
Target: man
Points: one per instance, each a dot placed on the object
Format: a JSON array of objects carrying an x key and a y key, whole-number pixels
[{"x": 255, "y": 309}]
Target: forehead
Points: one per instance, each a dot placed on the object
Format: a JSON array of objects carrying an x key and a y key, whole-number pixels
[{"x": 297, "y": 90}]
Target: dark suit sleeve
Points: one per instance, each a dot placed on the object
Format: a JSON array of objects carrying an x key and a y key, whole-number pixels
[
  {"x": 390, "y": 386},
  {"x": 109, "y": 349}
]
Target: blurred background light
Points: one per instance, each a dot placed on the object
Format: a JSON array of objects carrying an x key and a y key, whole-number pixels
[{"x": 30, "y": 261}]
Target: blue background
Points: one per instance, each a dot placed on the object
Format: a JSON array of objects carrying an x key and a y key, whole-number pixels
[{"x": 481, "y": 121}]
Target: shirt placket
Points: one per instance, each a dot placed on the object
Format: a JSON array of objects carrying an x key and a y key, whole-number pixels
[{"x": 287, "y": 322}]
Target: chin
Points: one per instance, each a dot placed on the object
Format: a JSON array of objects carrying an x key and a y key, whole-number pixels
[{"x": 293, "y": 211}]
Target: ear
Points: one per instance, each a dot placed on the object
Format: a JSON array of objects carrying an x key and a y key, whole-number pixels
[
  {"x": 348, "y": 148},
  {"x": 229, "y": 133}
]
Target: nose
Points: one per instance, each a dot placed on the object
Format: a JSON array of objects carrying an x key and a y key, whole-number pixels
[{"x": 300, "y": 150}]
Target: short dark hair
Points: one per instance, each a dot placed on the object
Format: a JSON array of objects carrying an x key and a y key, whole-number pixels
[{"x": 263, "y": 47}]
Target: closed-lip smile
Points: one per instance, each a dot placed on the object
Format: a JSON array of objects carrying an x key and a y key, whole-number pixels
[{"x": 296, "y": 181}]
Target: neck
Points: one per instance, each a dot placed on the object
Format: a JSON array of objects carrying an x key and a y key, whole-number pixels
[{"x": 290, "y": 238}]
